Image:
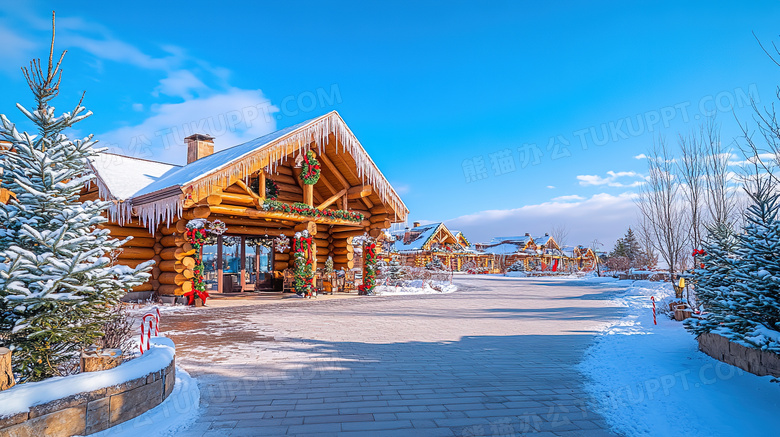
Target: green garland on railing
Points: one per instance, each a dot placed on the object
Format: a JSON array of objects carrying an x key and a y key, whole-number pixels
[{"x": 305, "y": 210}]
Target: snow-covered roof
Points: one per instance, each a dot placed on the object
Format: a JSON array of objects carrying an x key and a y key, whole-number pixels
[
  {"x": 506, "y": 245},
  {"x": 156, "y": 193},
  {"x": 419, "y": 236},
  {"x": 569, "y": 251},
  {"x": 112, "y": 170},
  {"x": 458, "y": 235},
  {"x": 506, "y": 248},
  {"x": 182, "y": 176},
  {"x": 541, "y": 241},
  {"x": 522, "y": 239}
]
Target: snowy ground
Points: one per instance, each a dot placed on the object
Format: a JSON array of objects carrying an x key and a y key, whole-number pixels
[
  {"x": 415, "y": 287},
  {"x": 652, "y": 380}
]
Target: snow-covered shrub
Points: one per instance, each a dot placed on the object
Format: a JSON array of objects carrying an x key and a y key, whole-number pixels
[{"x": 517, "y": 266}]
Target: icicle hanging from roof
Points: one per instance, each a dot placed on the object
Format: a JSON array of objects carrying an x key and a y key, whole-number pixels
[{"x": 160, "y": 211}]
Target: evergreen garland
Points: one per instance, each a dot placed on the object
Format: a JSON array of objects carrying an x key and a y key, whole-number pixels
[
  {"x": 303, "y": 281},
  {"x": 369, "y": 268},
  {"x": 305, "y": 210}
]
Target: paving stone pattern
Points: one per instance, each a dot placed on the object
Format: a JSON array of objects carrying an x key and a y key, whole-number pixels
[{"x": 495, "y": 358}]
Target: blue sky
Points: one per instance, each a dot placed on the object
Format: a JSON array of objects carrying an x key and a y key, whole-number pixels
[{"x": 490, "y": 116}]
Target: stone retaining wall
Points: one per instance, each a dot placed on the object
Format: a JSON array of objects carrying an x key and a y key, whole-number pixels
[
  {"x": 755, "y": 361},
  {"x": 90, "y": 412}
]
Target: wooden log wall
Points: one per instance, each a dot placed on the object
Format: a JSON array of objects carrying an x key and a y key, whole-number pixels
[
  {"x": 141, "y": 248},
  {"x": 177, "y": 257}
]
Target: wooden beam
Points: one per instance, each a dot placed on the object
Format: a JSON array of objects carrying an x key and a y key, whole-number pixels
[
  {"x": 332, "y": 199},
  {"x": 359, "y": 192},
  {"x": 327, "y": 183},
  {"x": 328, "y": 163}
]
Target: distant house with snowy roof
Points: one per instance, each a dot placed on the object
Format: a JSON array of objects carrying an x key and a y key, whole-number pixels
[
  {"x": 420, "y": 244},
  {"x": 540, "y": 253},
  {"x": 314, "y": 176}
]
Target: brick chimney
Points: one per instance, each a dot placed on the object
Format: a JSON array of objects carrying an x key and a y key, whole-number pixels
[{"x": 199, "y": 146}]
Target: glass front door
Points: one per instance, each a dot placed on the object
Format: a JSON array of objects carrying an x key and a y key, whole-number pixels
[
  {"x": 258, "y": 263},
  {"x": 235, "y": 263}
]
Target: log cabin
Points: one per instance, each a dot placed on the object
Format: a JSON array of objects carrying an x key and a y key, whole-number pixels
[
  {"x": 541, "y": 254},
  {"x": 153, "y": 202},
  {"x": 422, "y": 243}
]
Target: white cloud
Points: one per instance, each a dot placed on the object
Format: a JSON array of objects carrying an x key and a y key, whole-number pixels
[
  {"x": 611, "y": 180},
  {"x": 767, "y": 158},
  {"x": 232, "y": 117},
  {"x": 138, "y": 107},
  {"x": 552, "y": 187},
  {"x": 569, "y": 198},
  {"x": 179, "y": 83},
  {"x": 603, "y": 216},
  {"x": 402, "y": 189},
  {"x": 15, "y": 50},
  {"x": 112, "y": 49}
]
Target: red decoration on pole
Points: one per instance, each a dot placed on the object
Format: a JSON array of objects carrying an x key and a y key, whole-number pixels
[{"x": 655, "y": 322}]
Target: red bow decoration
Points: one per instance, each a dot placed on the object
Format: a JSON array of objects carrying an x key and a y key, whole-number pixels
[{"x": 203, "y": 295}]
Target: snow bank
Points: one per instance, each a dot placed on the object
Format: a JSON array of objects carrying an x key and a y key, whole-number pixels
[
  {"x": 415, "y": 287},
  {"x": 653, "y": 381},
  {"x": 21, "y": 398},
  {"x": 177, "y": 412}
]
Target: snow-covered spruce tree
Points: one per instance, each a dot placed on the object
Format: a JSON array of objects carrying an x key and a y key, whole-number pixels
[
  {"x": 715, "y": 281},
  {"x": 394, "y": 270},
  {"x": 517, "y": 266},
  {"x": 757, "y": 271},
  {"x": 435, "y": 264},
  {"x": 57, "y": 280}
]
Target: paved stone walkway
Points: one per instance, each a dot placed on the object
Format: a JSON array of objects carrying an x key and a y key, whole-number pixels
[{"x": 496, "y": 358}]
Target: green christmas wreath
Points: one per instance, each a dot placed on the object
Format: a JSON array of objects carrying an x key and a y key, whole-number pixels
[{"x": 310, "y": 173}]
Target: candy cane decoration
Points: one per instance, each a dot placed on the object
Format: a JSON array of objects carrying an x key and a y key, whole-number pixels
[
  {"x": 150, "y": 322},
  {"x": 652, "y": 298}
]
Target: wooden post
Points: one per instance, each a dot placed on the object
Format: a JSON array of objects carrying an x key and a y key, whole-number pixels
[
  {"x": 261, "y": 185},
  {"x": 242, "y": 282},
  {"x": 308, "y": 194},
  {"x": 95, "y": 361},
  {"x": 219, "y": 264},
  {"x": 6, "y": 371}
]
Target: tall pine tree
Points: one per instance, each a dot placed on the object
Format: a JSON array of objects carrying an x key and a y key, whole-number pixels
[
  {"x": 58, "y": 282},
  {"x": 739, "y": 286},
  {"x": 715, "y": 280},
  {"x": 758, "y": 268}
]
